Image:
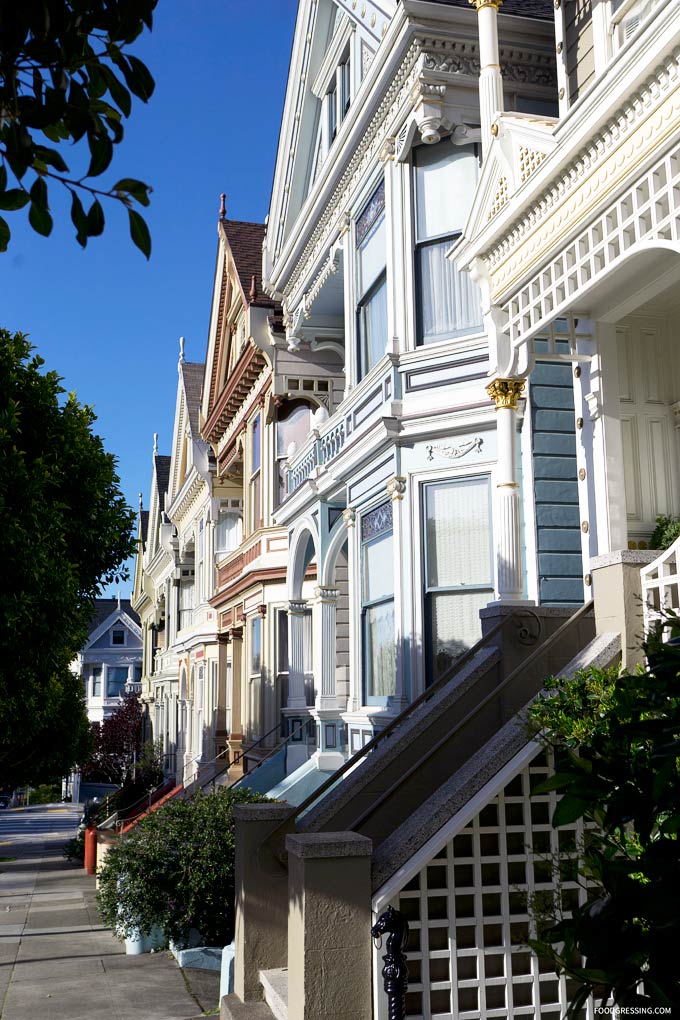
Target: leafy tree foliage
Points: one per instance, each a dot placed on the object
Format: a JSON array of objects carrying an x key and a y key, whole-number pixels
[
  {"x": 66, "y": 75},
  {"x": 65, "y": 530},
  {"x": 116, "y": 744},
  {"x": 175, "y": 870},
  {"x": 616, "y": 741}
]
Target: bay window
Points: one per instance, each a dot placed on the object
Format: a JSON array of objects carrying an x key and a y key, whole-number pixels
[
  {"x": 447, "y": 302},
  {"x": 371, "y": 282},
  {"x": 377, "y": 605},
  {"x": 228, "y": 532},
  {"x": 458, "y": 568}
]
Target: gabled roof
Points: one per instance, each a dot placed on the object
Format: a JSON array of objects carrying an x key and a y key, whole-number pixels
[
  {"x": 103, "y": 608},
  {"x": 245, "y": 241},
  {"x": 520, "y": 8},
  {"x": 192, "y": 377},
  {"x": 162, "y": 477}
]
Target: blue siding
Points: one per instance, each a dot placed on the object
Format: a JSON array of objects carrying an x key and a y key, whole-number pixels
[{"x": 560, "y": 568}]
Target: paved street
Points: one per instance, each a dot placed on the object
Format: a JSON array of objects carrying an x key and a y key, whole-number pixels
[{"x": 57, "y": 961}]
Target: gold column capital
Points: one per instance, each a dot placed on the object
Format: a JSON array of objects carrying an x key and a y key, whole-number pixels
[
  {"x": 478, "y": 4},
  {"x": 505, "y": 392}
]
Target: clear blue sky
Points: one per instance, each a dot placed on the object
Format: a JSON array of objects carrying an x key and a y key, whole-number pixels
[{"x": 106, "y": 319}]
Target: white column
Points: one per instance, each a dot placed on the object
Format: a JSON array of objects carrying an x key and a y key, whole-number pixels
[
  {"x": 490, "y": 80},
  {"x": 507, "y": 519},
  {"x": 396, "y": 489},
  {"x": 354, "y": 587},
  {"x": 296, "y": 655},
  {"x": 323, "y": 647}
]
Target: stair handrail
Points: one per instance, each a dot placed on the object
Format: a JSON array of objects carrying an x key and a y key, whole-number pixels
[
  {"x": 205, "y": 781},
  {"x": 272, "y": 752},
  {"x": 432, "y": 750},
  {"x": 387, "y": 730},
  {"x": 145, "y": 799}
]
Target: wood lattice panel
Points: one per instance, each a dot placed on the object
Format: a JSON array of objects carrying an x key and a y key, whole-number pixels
[{"x": 467, "y": 908}]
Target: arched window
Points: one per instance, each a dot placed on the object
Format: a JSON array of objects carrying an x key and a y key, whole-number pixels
[{"x": 294, "y": 423}]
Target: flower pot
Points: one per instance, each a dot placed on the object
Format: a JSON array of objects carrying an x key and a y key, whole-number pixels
[{"x": 137, "y": 944}]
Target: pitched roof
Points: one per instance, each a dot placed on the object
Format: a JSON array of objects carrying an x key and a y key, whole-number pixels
[
  {"x": 245, "y": 241},
  {"x": 144, "y": 524},
  {"x": 520, "y": 8},
  {"x": 104, "y": 607},
  {"x": 192, "y": 374},
  {"x": 162, "y": 477}
]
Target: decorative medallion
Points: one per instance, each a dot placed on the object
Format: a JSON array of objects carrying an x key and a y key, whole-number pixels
[{"x": 454, "y": 452}]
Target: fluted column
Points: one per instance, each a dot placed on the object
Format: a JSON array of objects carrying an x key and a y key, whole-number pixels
[
  {"x": 323, "y": 645},
  {"x": 505, "y": 393},
  {"x": 490, "y": 80},
  {"x": 296, "y": 654}
]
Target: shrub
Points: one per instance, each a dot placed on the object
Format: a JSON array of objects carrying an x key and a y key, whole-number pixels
[
  {"x": 616, "y": 742},
  {"x": 74, "y": 850},
  {"x": 665, "y": 533},
  {"x": 175, "y": 869},
  {"x": 47, "y": 793}
]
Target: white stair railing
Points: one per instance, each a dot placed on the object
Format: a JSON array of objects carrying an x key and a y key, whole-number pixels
[{"x": 661, "y": 589}]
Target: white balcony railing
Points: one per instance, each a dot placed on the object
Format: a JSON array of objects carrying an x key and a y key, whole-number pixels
[
  {"x": 661, "y": 589},
  {"x": 355, "y": 416}
]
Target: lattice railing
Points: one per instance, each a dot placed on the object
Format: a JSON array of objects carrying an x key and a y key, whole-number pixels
[
  {"x": 661, "y": 589},
  {"x": 471, "y": 910}
]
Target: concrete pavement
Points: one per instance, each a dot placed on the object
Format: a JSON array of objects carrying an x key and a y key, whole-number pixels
[{"x": 57, "y": 961}]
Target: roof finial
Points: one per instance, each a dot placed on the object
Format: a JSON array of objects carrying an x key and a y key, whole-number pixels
[
  {"x": 155, "y": 444},
  {"x": 141, "y": 501},
  {"x": 181, "y": 350},
  {"x": 223, "y": 206},
  {"x": 253, "y": 288},
  {"x": 119, "y": 598}
]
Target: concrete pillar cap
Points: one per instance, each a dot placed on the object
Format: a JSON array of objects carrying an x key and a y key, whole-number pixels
[{"x": 328, "y": 844}]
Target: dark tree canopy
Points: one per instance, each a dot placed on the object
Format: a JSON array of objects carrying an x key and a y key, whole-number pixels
[
  {"x": 65, "y": 530},
  {"x": 66, "y": 75},
  {"x": 116, "y": 744}
]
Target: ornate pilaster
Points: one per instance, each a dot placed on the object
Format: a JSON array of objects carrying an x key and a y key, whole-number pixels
[
  {"x": 296, "y": 654},
  {"x": 490, "y": 80},
  {"x": 506, "y": 393},
  {"x": 323, "y": 645}
]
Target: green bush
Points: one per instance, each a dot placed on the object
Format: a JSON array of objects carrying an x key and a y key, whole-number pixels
[
  {"x": 74, "y": 850},
  {"x": 665, "y": 533},
  {"x": 616, "y": 744},
  {"x": 175, "y": 869},
  {"x": 48, "y": 793}
]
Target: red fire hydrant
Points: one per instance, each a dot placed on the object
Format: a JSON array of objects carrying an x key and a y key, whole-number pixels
[{"x": 90, "y": 862}]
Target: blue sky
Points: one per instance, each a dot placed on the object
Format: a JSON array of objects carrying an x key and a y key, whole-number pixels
[{"x": 104, "y": 318}]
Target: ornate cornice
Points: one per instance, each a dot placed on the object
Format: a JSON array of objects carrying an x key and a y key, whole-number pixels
[
  {"x": 479, "y": 4},
  {"x": 505, "y": 392}
]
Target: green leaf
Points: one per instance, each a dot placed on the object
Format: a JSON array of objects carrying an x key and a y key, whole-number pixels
[
  {"x": 569, "y": 810},
  {"x": 79, "y": 219},
  {"x": 137, "y": 189},
  {"x": 139, "y": 232},
  {"x": 51, "y": 158},
  {"x": 3, "y": 177},
  {"x": 140, "y": 80},
  {"x": 39, "y": 215},
  {"x": 119, "y": 93},
  {"x": 95, "y": 220},
  {"x": 4, "y": 234},
  {"x": 555, "y": 782},
  {"x": 15, "y": 198},
  {"x": 101, "y": 151}
]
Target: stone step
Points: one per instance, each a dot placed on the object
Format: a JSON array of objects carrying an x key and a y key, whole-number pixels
[
  {"x": 275, "y": 986},
  {"x": 231, "y": 1008}
]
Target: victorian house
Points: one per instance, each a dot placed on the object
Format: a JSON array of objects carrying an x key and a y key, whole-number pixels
[
  {"x": 110, "y": 662},
  {"x": 486, "y": 236}
]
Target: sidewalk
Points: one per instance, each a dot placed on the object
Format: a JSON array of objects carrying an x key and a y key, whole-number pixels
[{"x": 57, "y": 961}]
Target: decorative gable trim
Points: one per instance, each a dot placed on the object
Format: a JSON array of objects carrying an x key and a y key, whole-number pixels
[{"x": 117, "y": 616}]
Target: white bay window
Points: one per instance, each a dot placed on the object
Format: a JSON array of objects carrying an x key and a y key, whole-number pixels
[{"x": 371, "y": 282}]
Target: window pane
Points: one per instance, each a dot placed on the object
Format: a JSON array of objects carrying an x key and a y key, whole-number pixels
[
  {"x": 446, "y": 176},
  {"x": 96, "y": 681},
  {"x": 371, "y": 256},
  {"x": 227, "y": 532},
  {"x": 116, "y": 679},
  {"x": 256, "y": 446},
  {"x": 331, "y": 100},
  {"x": 255, "y": 645},
  {"x": 373, "y": 328},
  {"x": 378, "y": 569},
  {"x": 345, "y": 76},
  {"x": 458, "y": 534},
  {"x": 449, "y": 303},
  {"x": 293, "y": 427},
  {"x": 454, "y": 626},
  {"x": 255, "y": 496},
  {"x": 380, "y": 651}
]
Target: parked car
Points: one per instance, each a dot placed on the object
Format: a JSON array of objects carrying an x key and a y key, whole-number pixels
[{"x": 4, "y": 800}]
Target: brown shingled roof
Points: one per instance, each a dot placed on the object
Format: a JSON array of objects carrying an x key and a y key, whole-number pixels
[{"x": 245, "y": 241}]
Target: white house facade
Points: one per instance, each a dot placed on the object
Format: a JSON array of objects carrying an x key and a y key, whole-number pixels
[{"x": 110, "y": 663}]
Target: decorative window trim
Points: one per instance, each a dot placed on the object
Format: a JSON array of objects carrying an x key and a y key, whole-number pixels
[
  {"x": 370, "y": 213},
  {"x": 377, "y": 522}
]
